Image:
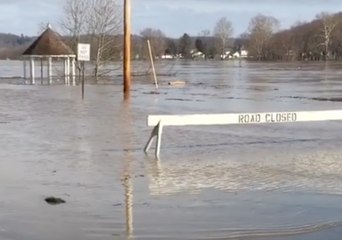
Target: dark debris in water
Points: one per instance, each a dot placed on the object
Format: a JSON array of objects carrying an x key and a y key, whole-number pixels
[
  {"x": 54, "y": 200},
  {"x": 154, "y": 93},
  {"x": 139, "y": 176},
  {"x": 328, "y": 99},
  {"x": 322, "y": 99},
  {"x": 179, "y": 99},
  {"x": 117, "y": 205}
]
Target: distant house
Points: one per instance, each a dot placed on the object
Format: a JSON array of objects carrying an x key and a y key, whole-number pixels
[
  {"x": 226, "y": 55},
  {"x": 167, "y": 56},
  {"x": 197, "y": 55},
  {"x": 243, "y": 54},
  {"x": 236, "y": 55},
  {"x": 232, "y": 55}
]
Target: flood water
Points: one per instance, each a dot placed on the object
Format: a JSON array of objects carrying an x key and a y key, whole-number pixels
[{"x": 280, "y": 181}]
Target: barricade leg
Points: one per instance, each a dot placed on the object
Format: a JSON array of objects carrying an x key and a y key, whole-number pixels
[
  {"x": 158, "y": 143},
  {"x": 156, "y": 132}
]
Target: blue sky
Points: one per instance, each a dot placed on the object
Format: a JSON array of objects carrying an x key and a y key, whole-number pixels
[{"x": 173, "y": 17}]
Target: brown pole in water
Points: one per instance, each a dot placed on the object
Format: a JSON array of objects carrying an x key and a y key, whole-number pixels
[{"x": 127, "y": 47}]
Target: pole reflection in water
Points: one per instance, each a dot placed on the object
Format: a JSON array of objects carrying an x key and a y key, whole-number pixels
[
  {"x": 127, "y": 183},
  {"x": 126, "y": 121}
]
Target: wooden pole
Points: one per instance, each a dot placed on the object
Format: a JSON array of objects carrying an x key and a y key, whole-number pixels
[
  {"x": 127, "y": 48},
  {"x": 152, "y": 64}
]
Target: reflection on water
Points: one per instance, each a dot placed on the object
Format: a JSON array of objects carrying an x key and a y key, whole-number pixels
[
  {"x": 226, "y": 182},
  {"x": 127, "y": 183},
  {"x": 125, "y": 115},
  {"x": 313, "y": 171}
]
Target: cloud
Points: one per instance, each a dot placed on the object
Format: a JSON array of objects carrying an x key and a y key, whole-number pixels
[
  {"x": 193, "y": 15},
  {"x": 171, "y": 16},
  {"x": 18, "y": 16}
]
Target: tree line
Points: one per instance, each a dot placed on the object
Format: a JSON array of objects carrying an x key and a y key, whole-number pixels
[
  {"x": 320, "y": 39},
  {"x": 99, "y": 22}
]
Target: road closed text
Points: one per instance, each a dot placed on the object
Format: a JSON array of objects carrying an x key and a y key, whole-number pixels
[{"x": 268, "y": 118}]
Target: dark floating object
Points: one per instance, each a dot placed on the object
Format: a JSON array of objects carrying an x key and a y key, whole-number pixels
[{"x": 54, "y": 200}]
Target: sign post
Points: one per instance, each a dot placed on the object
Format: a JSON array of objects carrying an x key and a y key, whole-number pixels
[{"x": 83, "y": 55}]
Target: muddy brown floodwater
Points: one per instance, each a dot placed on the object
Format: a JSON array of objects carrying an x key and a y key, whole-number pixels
[{"x": 280, "y": 181}]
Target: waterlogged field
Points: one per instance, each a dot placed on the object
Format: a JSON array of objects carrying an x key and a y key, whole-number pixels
[{"x": 257, "y": 181}]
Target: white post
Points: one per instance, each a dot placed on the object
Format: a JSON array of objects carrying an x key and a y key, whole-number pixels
[
  {"x": 159, "y": 136},
  {"x": 24, "y": 66},
  {"x": 65, "y": 72},
  {"x": 73, "y": 69},
  {"x": 41, "y": 72},
  {"x": 68, "y": 70},
  {"x": 49, "y": 70},
  {"x": 32, "y": 68}
]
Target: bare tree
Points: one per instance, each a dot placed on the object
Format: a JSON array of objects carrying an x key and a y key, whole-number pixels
[
  {"x": 96, "y": 22},
  {"x": 74, "y": 20},
  {"x": 204, "y": 33},
  {"x": 73, "y": 23},
  {"x": 157, "y": 39},
  {"x": 223, "y": 31},
  {"x": 260, "y": 29},
  {"x": 329, "y": 22},
  {"x": 103, "y": 22}
]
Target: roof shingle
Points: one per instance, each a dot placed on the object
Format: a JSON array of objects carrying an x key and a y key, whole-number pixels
[{"x": 48, "y": 43}]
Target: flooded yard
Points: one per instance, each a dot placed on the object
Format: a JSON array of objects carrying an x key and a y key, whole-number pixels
[{"x": 280, "y": 181}]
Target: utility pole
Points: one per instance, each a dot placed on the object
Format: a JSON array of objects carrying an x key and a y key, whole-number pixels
[{"x": 127, "y": 48}]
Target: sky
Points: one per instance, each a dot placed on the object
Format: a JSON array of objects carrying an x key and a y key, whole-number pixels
[{"x": 173, "y": 17}]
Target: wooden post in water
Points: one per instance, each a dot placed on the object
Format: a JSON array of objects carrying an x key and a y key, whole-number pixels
[
  {"x": 127, "y": 48},
  {"x": 152, "y": 64}
]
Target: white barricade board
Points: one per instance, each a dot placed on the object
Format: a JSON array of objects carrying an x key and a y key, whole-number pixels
[
  {"x": 158, "y": 121},
  {"x": 243, "y": 118}
]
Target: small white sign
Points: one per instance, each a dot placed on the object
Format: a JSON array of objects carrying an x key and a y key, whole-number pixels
[{"x": 83, "y": 52}]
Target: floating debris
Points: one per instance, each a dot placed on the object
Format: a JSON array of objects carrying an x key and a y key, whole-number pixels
[
  {"x": 54, "y": 200},
  {"x": 177, "y": 83}
]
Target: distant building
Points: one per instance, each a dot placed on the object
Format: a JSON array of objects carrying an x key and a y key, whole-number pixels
[
  {"x": 237, "y": 54},
  {"x": 167, "y": 56},
  {"x": 197, "y": 55},
  {"x": 226, "y": 55}
]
